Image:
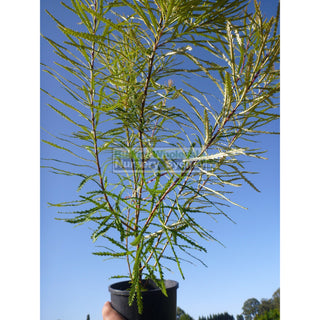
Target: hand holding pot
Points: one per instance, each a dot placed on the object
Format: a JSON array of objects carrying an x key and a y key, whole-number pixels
[{"x": 108, "y": 313}]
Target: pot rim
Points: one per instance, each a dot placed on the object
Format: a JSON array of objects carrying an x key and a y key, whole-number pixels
[{"x": 115, "y": 288}]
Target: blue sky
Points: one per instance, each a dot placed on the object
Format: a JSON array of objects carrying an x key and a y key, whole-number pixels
[{"x": 75, "y": 283}]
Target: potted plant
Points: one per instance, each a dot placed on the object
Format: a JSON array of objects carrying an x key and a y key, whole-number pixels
[{"x": 167, "y": 97}]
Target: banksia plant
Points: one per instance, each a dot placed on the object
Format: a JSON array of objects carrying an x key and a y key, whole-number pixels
[{"x": 165, "y": 99}]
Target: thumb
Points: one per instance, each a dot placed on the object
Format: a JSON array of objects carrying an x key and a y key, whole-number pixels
[{"x": 108, "y": 313}]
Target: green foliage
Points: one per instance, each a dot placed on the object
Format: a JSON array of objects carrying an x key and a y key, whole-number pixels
[
  {"x": 276, "y": 299},
  {"x": 130, "y": 80},
  {"x": 266, "y": 309},
  {"x": 250, "y": 308},
  {"x": 219, "y": 316},
  {"x": 181, "y": 315},
  {"x": 265, "y": 305},
  {"x": 273, "y": 314},
  {"x": 270, "y": 308}
]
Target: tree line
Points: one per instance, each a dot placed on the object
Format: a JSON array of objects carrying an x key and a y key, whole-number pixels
[{"x": 252, "y": 309}]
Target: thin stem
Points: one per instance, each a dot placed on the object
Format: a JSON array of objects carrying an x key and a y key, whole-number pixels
[
  {"x": 93, "y": 120},
  {"x": 145, "y": 93},
  {"x": 127, "y": 246}
]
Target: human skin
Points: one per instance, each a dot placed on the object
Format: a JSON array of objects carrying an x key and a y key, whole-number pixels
[{"x": 108, "y": 313}]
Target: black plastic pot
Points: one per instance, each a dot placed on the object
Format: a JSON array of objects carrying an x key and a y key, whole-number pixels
[{"x": 156, "y": 306}]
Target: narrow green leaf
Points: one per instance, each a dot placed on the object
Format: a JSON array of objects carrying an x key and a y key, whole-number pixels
[
  {"x": 219, "y": 194},
  {"x": 85, "y": 180}
]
